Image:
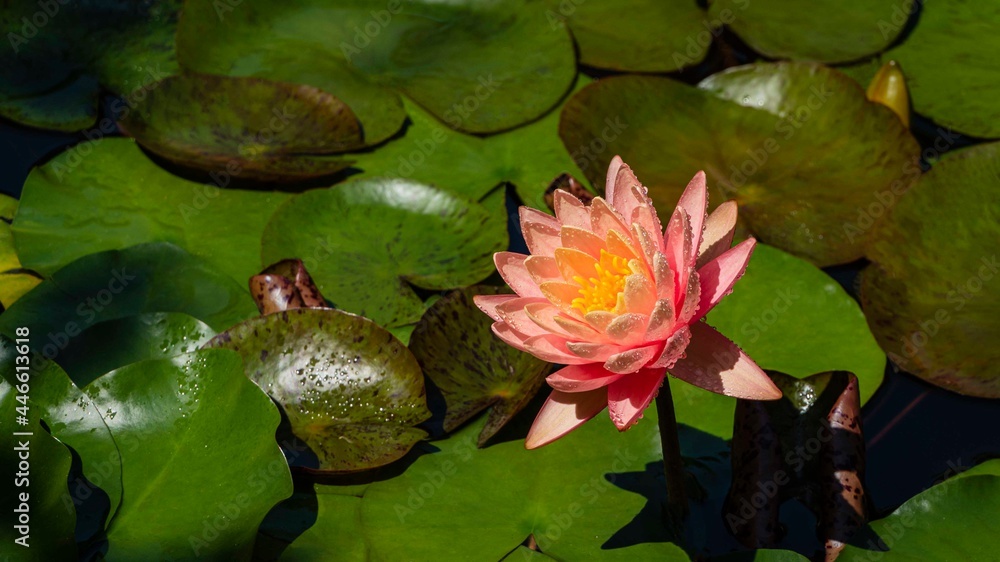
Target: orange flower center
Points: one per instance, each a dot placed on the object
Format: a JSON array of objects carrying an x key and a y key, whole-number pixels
[{"x": 605, "y": 291}]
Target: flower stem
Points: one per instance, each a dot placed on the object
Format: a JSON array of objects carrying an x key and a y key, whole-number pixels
[{"x": 673, "y": 466}]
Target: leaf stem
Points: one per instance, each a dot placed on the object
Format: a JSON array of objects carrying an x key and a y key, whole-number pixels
[{"x": 673, "y": 466}]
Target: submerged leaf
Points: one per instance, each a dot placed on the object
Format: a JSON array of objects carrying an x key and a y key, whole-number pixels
[
  {"x": 283, "y": 286},
  {"x": 351, "y": 390}
]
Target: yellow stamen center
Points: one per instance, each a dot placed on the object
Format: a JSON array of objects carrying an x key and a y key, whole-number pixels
[{"x": 605, "y": 291}]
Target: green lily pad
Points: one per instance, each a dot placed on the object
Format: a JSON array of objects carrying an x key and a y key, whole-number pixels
[
  {"x": 111, "y": 344},
  {"x": 273, "y": 131},
  {"x": 39, "y": 490},
  {"x": 116, "y": 284},
  {"x": 14, "y": 279},
  {"x": 351, "y": 390},
  {"x": 798, "y": 145},
  {"x": 791, "y": 317},
  {"x": 208, "y": 425},
  {"x": 454, "y": 58},
  {"x": 107, "y": 195},
  {"x": 619, "y": 35},
  {"x": 810, "y": 446},
  {"x": 367, "y": 243},
  {"x": 824, "y": 30},
  {"x": 72, "y": 418},
  {"x": 949, "y": 521},
  {"x": 930, "y": 293},
  {"x": 63, "y": 54},
  {"x": 528, "y": 157},
  {"x": 337, "y": 532},
  {"x": 565, "y": 494},
  {"x": 474, "y": 369},
  {"x": 950, "y": 68}
]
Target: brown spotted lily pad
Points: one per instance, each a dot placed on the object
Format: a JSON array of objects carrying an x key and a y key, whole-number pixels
[
  {"x": 250, "y": 127},
  {"x": 352, "y": 392},
  {"x": 809, "y": 445},
  {"x": 797, "y": 145},
  {"x": 283, "y": 286},
  {"x": 473, "y": 369},
  {"x": 931, "y": 293}
]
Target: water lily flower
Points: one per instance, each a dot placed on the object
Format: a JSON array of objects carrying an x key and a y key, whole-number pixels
[{"x": 619, "y": 300}]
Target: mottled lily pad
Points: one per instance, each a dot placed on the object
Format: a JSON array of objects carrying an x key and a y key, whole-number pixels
[
  {"x": 14, "y": 279},
  {"x": 474, "y": 369},
  {"x": 620, "y": 35},
  {"x": 117, "y": 284},
  {"x": 808, "y": 446},
  {"x": 46, "y": 528},
  {"x": 283, "y": 286},
  {"x": 200, "y": 420},
  {"x": 271, "y": 131},
  {"x": 108, "y": 195},
  {"x": 368, "y": 243},
  {"x": 111, "y": 344},
  {"x": 951, "y": 68},
  {"x": 950, "y": 521},
  {"x": 818, "y": 30},
  {"x": 72, "y": 418},
  {"x": 930, "y": 294},
  {"x": 798, "y": 145},
  {"x": 528, "y": 157},
  {"x": 351, "y": 390},
  {"x": 453, "y": 58},
  {"x": 783, "y": 299},
  {"x": 63, "y": 54}
]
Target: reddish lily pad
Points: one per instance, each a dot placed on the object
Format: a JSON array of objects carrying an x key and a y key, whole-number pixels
[
  {"x": 369, "y": 242},
  {"x": 283, "y": 286},
  {"x": 473, "y": 369},
  {"x": 818, "y": 30},
  {"x": 930, "y": 293},
  {"x": 453, "y": 58},
  {"x": 271, "y": 131},
  {"x": 808, "y": 445},
  {"x": 351, "y": 390},
  {"x": 797, "y": 145}
]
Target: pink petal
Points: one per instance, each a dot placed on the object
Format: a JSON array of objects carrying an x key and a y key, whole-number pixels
[
  {"x": 541, "y": 231},
  {"x": 512, "y": 269},
  {"x": 628, "y": 194},
  {"x": 581, "y": 378},
  {"x": 561, "y": 294},
  {"x": 692, "y": 298},
  {"x": 718, "y": 235},
  {"x": 547, "y": 347},
  {"x": 563, "y": 412},
  {"x": 489, "y": 303},
  {"x": 645, "y": 216},
  {"x": 612, "y": 177},
  {"x": 639, "y": 294},
  {"x": 719, "y": 275},
  {"x": 604, "y": 219},
  {"x": 583, "y": 240},
  {"x": 674, "y": 349},
  {"x": 632, "y": 360},
  {"x": 513, "y": 313},
  {"x": 577, "y": 329},
  {"x": 600, "y": 319},
  {"x": 628, "y": 329},
  {"x": 543, "y": 314},
  {"x": 651, "y": 245},
  {"x": 663, "y": 276},
  {"x": 694, "y": 201},
  {"x": 677, "y": 249},
  {"x": 542, "y": 269},
  {"x": 570, "y": 210},
  {"x": 619, "y": 245},
  {"x": 661, "y": 321},
  {"x": 573, "y": 263},
  {"x": 718, "y": 365},
  {"x": 630, "y": 395},
  {"x": 592, "y": 352}
]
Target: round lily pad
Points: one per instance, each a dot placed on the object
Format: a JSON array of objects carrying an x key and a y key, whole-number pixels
[
  {"x": 930, "y": 292},
  {"x": 117, "y": 284},
  {"x": 950, "y": 65},
  {"x": 453, "y": 58},
  {"x": 788, "y": 316},
  {"x": 108, "y": 195},
  {"x": 62, "y": 55},
  {"x": 819, "y": 30},
  {"x": 351, "y": 390},
  {"x": 949, "y": 521},
  {"x": 798, "y": 145},
  {"x": 619, "y": 35},
  {"x": 202, "y": 421},
  {"x": 272, "y": 131},
  {"x": 368, "y": 243},
  {"x": 473, "y": 369}
]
